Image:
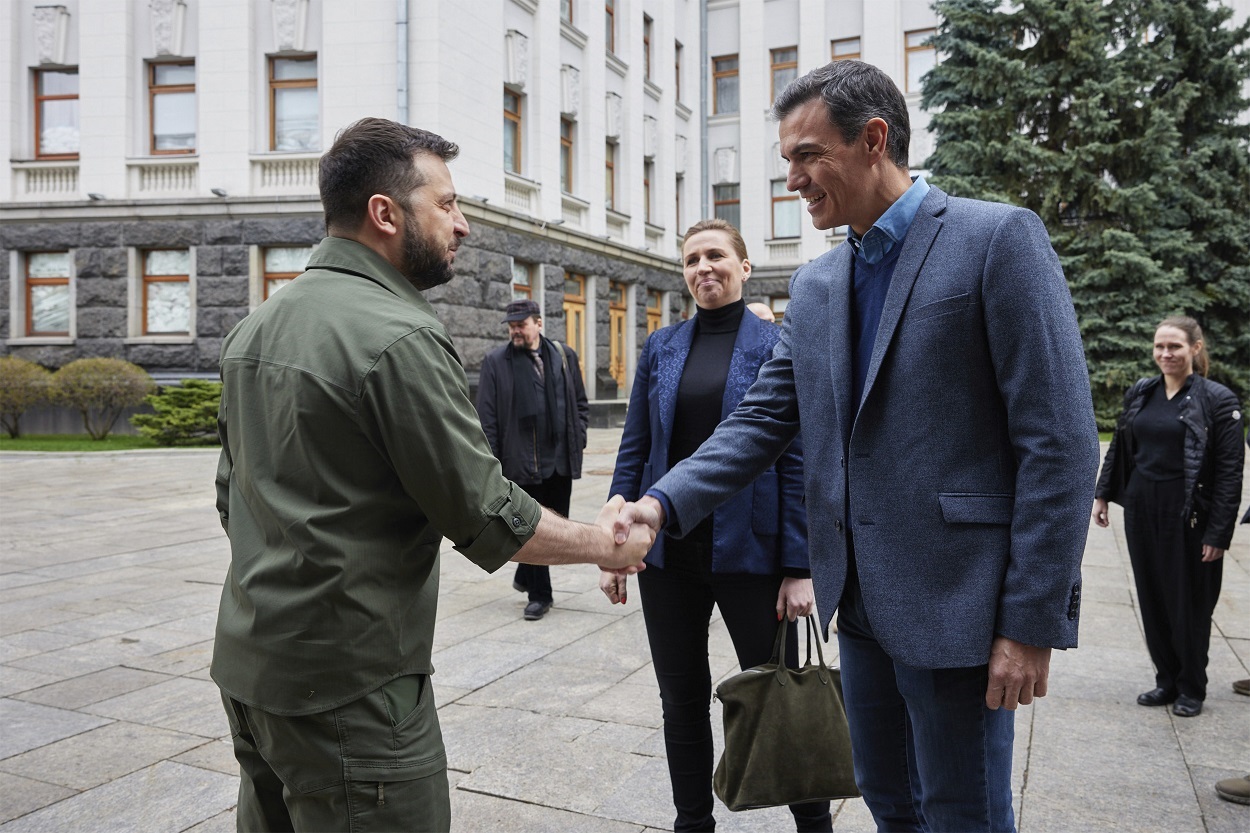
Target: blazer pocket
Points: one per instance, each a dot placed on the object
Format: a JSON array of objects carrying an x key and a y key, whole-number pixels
[
  {"x": 943, "y": 306},
  {"x": 765, "y": 507},
  {"x": 977, "y": 508}
]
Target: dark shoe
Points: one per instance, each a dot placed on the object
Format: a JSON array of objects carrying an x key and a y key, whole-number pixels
[
  {"x": 1156, "y": 697},
  {"x": 1186, "y": 706},
  {"x": 519, "y": 587},
  {"x": 535, "y": 610},
  {"x": 1234, "y": 789},
  {"x": 1242, "y": 687}
]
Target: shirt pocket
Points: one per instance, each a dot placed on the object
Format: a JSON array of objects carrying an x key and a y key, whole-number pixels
[{"x": 977, "y": 508}]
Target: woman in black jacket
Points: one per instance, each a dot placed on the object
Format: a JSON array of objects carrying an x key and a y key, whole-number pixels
[{"x": 1175, "y": 466}]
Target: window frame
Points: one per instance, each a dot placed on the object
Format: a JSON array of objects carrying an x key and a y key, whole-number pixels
[
  {"x": 648, "y": 173},
  {"x": 646, "y": 46},
  {"x": 775, "y": 66},
  {"x": 520, "y": 290},
  {"x": 609, "y": 182},
  {"x": 29, "y": 281},
  {"x": 567, "y": 153},
  {"x": 578, "y": 302},
  {"x": 909, "y": 50},
  {"x": 514, "y": 123},
  {"x": 145, "y": 279},
  {"x": 609, "y": 22},
  {"x": 39, "y": 99},
  {"x": 567, "y": 5},
  {"x": 677, "y": 52},
  {"x": 717, "y": 75},
  {"x": 736, "y": 201},
  {"x": 787, "y": 196},
  {"x": 286, "y": 84},
  {"x": 266, "y": 276},
  {"x": 164, "y": 89},
  {"x": 850, "y": 56}
]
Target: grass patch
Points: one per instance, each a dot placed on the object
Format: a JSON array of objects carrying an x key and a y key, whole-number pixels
[{"x": 74, "y": 442}]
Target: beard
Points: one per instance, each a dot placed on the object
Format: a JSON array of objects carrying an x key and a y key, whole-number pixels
[{"x": 424, "y": 261}]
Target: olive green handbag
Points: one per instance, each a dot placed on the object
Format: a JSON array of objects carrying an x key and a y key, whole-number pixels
[{"x": 786, "y": 739}]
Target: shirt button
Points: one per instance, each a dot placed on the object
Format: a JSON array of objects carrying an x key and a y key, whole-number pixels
[{"x": 837, "y": 525}]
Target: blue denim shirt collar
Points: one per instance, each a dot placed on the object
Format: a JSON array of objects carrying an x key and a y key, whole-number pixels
[{"x": 891, "y": 227}]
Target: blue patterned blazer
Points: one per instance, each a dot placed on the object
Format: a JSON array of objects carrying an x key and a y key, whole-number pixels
[
  {"x": 965, "y": 473},
  {"x": 763, "y": 527}
]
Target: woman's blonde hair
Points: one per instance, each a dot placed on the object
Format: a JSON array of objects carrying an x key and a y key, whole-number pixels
[
  {"x": 1193, "y": 331},
  {"x": 717, "y": 224}
]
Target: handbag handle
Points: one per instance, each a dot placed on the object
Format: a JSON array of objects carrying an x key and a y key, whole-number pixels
[{"x": 778, "y": 657}]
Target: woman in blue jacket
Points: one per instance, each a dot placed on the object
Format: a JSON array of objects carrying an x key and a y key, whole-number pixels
[{"x": 750, "y": 557}]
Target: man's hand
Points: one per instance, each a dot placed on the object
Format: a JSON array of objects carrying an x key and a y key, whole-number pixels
[
  {"x": 1099, "y": 513},
  {"x": 1018, "y": 673},
  {"x": 628, "y": 547},
  {"x": 614, "y": 585},
  {"x": 1210, "y": 553},
  {"x": 795, "y": 598},
  {"x": 647, "y": 510}
]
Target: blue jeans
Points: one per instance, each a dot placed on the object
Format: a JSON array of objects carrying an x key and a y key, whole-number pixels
[{"x": 929, "y": 755}]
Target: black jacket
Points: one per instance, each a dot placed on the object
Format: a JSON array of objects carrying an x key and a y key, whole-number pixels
[
  {"x": 1214, "y": 455},
  {"x": 517, "y": 449}
]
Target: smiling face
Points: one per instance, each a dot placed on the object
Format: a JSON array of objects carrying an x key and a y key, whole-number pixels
[
  {"x": 713, "y": 270},
  {"x": 433, "y": 226},
  {"x": 832, "y": 175},
  {"x": 1173, "y": 353}
]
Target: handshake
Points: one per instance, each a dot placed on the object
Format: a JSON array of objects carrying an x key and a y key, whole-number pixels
[{"x": 633, "y": 527}]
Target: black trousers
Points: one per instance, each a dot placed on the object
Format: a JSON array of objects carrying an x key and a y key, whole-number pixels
[
  {"x": 1176, "y": 590},
  {"x": 554, "y": 493},
  {"x": 677, "y": 606}
]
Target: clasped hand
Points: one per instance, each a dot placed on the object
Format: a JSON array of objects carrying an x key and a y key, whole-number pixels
[{"x": 631, "y": 535}]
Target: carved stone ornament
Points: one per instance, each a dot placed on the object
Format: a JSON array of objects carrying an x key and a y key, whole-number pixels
[
  {"x": 517, "y": 52},
  {"x": 650, "y": 128},
  {"x": 290, "y": 25},
  {"x": 679, "y": 154},
  {"x": 726, "y": 162},
  {"x": 570, "y": 90},
  {"x": 168, "y": 25},
  {"x": 51, "y": 33},
  {"x": 612, "y": 126}
]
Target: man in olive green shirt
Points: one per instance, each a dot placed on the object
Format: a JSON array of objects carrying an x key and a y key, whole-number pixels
[{"x": 350, "y": 448}]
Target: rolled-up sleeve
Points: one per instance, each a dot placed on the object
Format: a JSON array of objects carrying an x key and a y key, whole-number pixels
[{"x": 415, "y": 400}]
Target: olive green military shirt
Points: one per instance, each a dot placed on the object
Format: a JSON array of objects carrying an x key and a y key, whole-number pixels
[{"x": 349, "y": 449}]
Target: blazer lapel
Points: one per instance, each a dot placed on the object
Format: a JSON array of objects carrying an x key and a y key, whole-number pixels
[
  {"x": 669, "y": 365},
  {"x": 839, "y": 314},
  {"x": 916, "y": 245},
  {"x": 743, "y": 363}
]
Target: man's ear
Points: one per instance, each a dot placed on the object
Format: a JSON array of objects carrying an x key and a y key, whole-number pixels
[
  {"x": 382, "y": 215},
  {"x": 874, "y": 137}
]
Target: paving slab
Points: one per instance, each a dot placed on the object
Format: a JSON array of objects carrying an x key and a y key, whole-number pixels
[
  {"x": 26, "y": 726},
  {"x": 81, "y": 691},
  {"x": 181, "y": 704},
  {"x": 19, "y": 796}
]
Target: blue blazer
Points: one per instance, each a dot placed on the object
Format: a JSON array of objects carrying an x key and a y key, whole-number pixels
[
  {"x": 763, "y": 527},
  {"x": 966, "y": 472}
]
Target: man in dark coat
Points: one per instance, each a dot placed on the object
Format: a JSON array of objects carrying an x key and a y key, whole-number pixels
[{"x": 532, "y": 405}]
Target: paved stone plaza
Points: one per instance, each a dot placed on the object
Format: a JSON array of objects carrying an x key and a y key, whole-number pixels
[{"x": 110, "y": 571}]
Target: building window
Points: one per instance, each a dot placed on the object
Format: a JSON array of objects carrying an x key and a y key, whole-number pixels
[
  {"x": 56, "y": 113},
  {"x": 655, "y": 310},
  {"x": 725, "y": 84},
  {"x": 646, "y": 47},
  {"x": 786, "y": 222},
  {"x": 778, "y": 303},
  {"x": 725, "y": 203},
  {"x": 566, "y": 11},
  {"x": 921, "y": 57},
  {"x": 167, "y": 292},
  {"x": 785, "y": 68},
  {"x": 293, "y": 108},
  {"x": 47, "y": 293},
  {"x": 678, "y": 185},
  {"x": 617, "y": 315},
  {"x": 609, "y": 176},
  {"x": 511, "y": 131},
  {"x": 677, "y": 70},
  {"x": 284, "y": 264},
  {"x": 522, "y": 280},
  {"x": 566, "y": 155},
  {"x": 648, "y": 174},
  {"x": 844, "y": 49},
  {"x": 171, "y": 107},
  {"x": 609, "y": 23},
  {"x": 575, "y": 315}
]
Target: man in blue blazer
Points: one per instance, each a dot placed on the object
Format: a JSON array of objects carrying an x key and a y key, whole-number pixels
[{"x": 935, "y": 366}]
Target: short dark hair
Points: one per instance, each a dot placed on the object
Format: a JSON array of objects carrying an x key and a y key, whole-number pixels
[
  {"x": 374, "y": 156},
  {"x": 853, "y": 92}
]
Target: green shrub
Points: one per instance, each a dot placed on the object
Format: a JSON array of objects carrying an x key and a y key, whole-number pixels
[
  {"x": 101, "y": 389},
  {"x": 185, "y": 414},
  {"x": 23, "y": 385}
]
